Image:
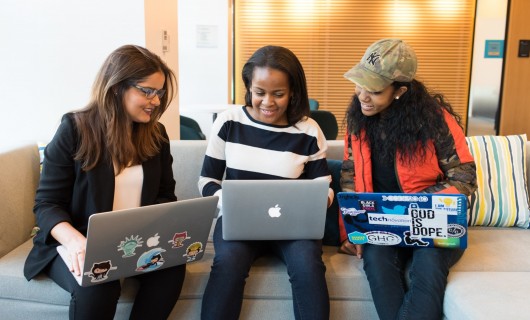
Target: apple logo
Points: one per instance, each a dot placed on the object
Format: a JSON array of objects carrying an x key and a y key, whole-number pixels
[
  {"x": 274, "y": 212},
  {"x": 153, "y": 241}
]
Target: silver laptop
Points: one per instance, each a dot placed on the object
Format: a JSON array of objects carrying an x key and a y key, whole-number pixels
[
  {"x": 130, "y": 242},
  {"x": 274, "y": 209}
]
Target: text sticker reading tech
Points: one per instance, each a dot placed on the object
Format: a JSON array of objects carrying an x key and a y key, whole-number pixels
[{"x": 405, "y": 220}]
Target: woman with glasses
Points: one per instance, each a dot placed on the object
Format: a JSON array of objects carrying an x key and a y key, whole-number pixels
[{"x": 113, "y": 154}]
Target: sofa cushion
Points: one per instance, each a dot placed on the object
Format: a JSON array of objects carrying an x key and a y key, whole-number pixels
[
  {"x": 41, "y": 295},
  {"x": 496, "y": 249},
  {"x": 487, "y": 295},
  {"x": 268, "y": 281},
  {"x": 501, "y": 199}
]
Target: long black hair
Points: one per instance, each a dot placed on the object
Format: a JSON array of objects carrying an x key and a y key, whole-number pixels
[{"x": 405, "y": 126}]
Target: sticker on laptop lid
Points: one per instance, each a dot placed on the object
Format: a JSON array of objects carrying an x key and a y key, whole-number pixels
[
  {"x": 448, "y": 204},
  {"x": 150, "y": 260},
  {"x": 455, "y": 230},
  {"x": 427, "y": 223},
  {"x": 100, "y": 270},
  {"x": 383, "y": 238},
  {"x": 178, "y": 239},
  {"x": 413, "y": 241},
  {"x": 129, "y": 245},
  {"x": 193, "y": 250},
  {"x": 368, "y": 205},
  {"x": 357, "y": 237}
]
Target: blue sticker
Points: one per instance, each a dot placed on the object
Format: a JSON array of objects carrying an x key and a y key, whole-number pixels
[
  {"x": 357, "y": 237},
  {"x": 150, "y": 260}
]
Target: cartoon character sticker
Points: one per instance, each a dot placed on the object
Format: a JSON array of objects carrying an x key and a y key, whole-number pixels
[
  {"x": 150, "y": 260},
  {"x": 411, "y": 241},
  {"x": 193, "y": 250},
  {"x": 178, "y": 239},
  {"x": 129, "y": 245},
  {"x": 100, "y": 271}
]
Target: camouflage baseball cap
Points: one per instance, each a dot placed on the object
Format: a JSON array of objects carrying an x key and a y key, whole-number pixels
[{"x": 384, "y": 62}]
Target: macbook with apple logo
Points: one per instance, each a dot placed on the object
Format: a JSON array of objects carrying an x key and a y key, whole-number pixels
[
  {"x": 274, "y": 209},
  {"x": 130, "y": 242}
]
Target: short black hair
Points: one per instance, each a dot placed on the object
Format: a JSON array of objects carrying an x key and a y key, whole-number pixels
[{"x": 283, "y": 59}]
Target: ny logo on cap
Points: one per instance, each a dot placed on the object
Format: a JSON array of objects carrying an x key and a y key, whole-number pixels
[{"x": 373, "y": 57}]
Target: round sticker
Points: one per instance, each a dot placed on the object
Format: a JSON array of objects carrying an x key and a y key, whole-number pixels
[
  {"x": 383, "y": 238},
  {"x": 455, "y": 230}
]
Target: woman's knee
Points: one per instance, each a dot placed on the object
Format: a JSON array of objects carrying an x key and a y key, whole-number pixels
[{"x": 101, "y": 296}]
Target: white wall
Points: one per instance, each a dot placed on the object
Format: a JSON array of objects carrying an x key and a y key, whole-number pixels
[
  {"x": 487, "y": 72},
  {"x": 49, "y": 55},
  {"x": 203, "y": 63},
  {"x": 160, "y": 16}
]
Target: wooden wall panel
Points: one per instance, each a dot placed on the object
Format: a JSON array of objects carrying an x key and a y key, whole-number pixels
[
  {"x": 515, "y": 94},
  {"x": 329, "y": 37}
]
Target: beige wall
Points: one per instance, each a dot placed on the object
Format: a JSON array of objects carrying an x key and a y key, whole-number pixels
[
  {"x": 161, "y": 15},
  {"x": 515, "y": 101}
]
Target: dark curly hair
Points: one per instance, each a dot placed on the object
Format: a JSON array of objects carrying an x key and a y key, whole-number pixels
[
  {"x": 285, "y": 60},
  {"x": 406, "y": 125}
]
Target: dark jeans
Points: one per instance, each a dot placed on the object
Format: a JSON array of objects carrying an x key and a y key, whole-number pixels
[
  {"x": 223, "y": 295},
  {"x": 423, "y": 297},
  {"x": 156, "y": 297}
]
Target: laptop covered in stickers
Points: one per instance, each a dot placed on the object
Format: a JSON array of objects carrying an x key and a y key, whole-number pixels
[
  {"x": 404, "y": 219},
  {"x": 130, "y": 242}
]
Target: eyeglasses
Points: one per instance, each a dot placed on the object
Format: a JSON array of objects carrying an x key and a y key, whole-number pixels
[{"x": 150, "y": 93}]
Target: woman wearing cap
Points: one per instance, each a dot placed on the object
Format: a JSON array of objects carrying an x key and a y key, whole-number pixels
[{"x": 402, "y": 139}]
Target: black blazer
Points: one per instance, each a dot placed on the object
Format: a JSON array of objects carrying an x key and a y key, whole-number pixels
[{"x": 67, "y": 193}]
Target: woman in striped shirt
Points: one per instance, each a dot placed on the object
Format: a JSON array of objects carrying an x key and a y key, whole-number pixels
[{"x": 270, "y": 137}]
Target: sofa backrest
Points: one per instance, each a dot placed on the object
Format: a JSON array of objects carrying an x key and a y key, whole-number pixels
[
  {"x": 19, "y": 178},
  {"x": 188, "y": 157},
  {"x": 335, "y": 151}
]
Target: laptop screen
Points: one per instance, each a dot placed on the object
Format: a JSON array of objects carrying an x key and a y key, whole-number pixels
[{"x": 406, "y": 220}]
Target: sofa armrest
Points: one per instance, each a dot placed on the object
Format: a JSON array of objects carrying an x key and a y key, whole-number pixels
[{"x": 19, "y": 178}]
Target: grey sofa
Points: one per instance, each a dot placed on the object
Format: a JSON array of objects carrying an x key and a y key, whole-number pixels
[{"x": 490, "y": 281}]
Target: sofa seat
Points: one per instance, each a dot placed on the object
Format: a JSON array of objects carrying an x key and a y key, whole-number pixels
[
  {"x": 495, "y": 261},
  {"x": 491, "y": 262},
  {"x": 487, "y": 295},
  {"x": 267, "y": 287},
  {"x": 496, "y": 249}
]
